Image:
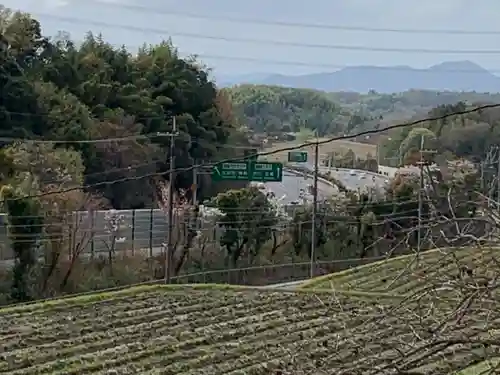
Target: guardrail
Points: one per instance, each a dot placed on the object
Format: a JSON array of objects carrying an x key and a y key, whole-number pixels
[
  {"x": 299, "y": 173},
  {"x": 361, "y": 171},
  {"x": 376, "y": 174}
]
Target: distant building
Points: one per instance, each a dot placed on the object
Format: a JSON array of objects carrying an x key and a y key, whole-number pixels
[
  {"x": 409, "y": 170},
  {"x": 389, "y": 172}
]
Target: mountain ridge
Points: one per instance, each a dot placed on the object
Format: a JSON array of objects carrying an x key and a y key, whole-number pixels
[{"x": 461, "y": 75}]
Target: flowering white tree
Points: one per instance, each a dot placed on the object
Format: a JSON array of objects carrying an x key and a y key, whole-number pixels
[{"x": 113, "y": 226}]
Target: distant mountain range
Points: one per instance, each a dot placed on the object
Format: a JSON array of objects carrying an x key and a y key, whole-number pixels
[{"x": 447, "y": 76}]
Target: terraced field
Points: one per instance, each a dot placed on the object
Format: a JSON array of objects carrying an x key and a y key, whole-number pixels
[
  {"x": 187, "y": 330},
  {"x": 466, "y": 274},
  {"x": 439, "y": 269}
]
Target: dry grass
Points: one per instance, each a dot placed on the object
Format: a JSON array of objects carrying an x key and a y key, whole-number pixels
[{"x": 360, "y": 149}]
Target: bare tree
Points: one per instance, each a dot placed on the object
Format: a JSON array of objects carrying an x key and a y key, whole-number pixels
[
  {"x": 67, "y": 231},
  {"x": 184, "y": 223}
]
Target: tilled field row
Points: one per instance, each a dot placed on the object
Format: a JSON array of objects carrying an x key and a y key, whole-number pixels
[
  {"x": 106, "y": 322},
  {"x": 402, "y": 276},
  {"x": 190, "y": 332},
  {"x": 215, "y": 332}
]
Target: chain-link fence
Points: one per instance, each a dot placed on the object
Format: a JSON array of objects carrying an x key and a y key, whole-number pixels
[{"x": 272, "y": 274}]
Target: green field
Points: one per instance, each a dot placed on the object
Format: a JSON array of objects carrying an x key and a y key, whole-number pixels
[
  {"x": 361, "y": 150},
  {"x": 211, "y": 330},
  {"x": 441, "y": 276},
  {"x": 439, "y": 269}
]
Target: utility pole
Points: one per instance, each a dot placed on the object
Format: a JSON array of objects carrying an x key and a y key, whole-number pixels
[
  {"x": 421, "y": 164},
  {"x": 498, "y": 181},
  {"x": 378, "y": 154},
  {"x": 494, "y": 180},
  {"x": 194, "y": 187},
  {"x": 488, "y": 166},
  {"x": 481, "y": 165},
  {"x": 420, "y": 190},
  {"x": 170, "y": 217},
  {"x": 314, "y": 208}
]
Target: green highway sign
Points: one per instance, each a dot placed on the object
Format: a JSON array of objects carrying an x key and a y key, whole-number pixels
[
  {"x": 297, "y": 156},
  {"x": 250, "y": 171},
  {"x": 230, "y": 171},
  {"x": 265, "y": 171}
]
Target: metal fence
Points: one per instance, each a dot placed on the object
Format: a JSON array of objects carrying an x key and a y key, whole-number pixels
[
  {"x": 140, "y": 230},
  {"x": 273, "y": 273}
]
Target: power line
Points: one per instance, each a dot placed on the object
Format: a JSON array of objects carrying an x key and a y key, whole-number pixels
[
  {"x": 75, "y": 20},
  {"x": 291, "y": 148},
  {"x": 118, "y": 139},
  {"x": 382, "y": 69},
  {"x": 258, "y": 60},
  {"x": 321, "y": 26},
  {"x": 98, "y": 140},
  {"x": 252, "y": 211},
  {"x": 132, "y": 167}
]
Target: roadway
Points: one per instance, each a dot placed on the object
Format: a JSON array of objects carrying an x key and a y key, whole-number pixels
[
  {"x": 290, "y": 188},
  {"x": 356, "y": 182},
  {"x": 372, "y": 180},
  {"x": 293, "y": 186}
]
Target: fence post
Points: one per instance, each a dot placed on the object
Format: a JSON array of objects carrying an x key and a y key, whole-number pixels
[
  {"x": 133, "y": 232},
  {"x": 92, "y": 234},
  {"x": 151, "y": 233},
  {"x": 202, "y": 260}
]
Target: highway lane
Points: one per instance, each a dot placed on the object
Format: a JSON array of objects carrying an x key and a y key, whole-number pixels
[
  {"x": 352, "y": 182},
  {"x": 357, "y": 182},
  {"x": 290, "y": 188},
  {"x": 292, "y": 185}
]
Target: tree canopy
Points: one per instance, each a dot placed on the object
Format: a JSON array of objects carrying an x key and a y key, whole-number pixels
[
  {"x": 381, "y": 109},
  {"x": 468, "y": 136},
  {"x": 54, "y": 89},
  {"x": 274, "y": 109}
]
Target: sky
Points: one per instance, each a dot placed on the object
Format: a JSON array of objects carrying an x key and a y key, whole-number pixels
[{"x": 133, "y": 22}]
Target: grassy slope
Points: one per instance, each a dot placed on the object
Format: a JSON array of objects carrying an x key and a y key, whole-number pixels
[
  {"x": 440, "y": 270},
  {"x": 407, "y": 274}
]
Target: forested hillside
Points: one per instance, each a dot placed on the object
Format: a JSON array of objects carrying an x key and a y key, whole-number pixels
[
  {"x": 74, "y": 94},
  {"x": 274, "y": 108},
  {"x": 469, "y": 136},
  {"x": 399, "y": 106}
]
